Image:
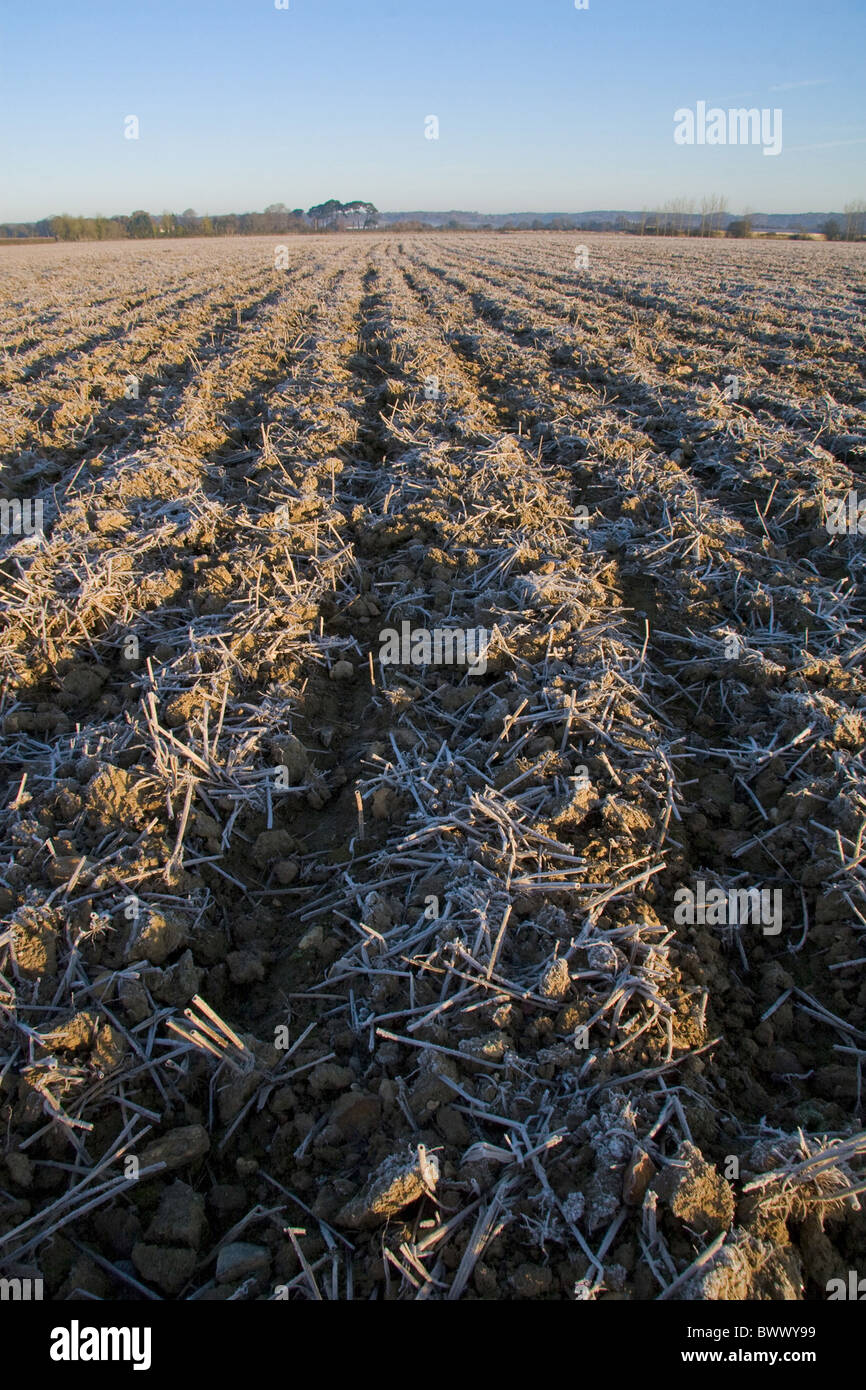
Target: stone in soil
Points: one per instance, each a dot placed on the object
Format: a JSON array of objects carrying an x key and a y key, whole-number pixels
[
  {"x": 164, "y": 1266},
  {"x": 396, "y": 1184},
  {"x": 696, "y": 1193},
  {"x": 239, "y": 1260},
  {"x": 177, "y": 1149},
  {"x": 179, "y": 1218}
]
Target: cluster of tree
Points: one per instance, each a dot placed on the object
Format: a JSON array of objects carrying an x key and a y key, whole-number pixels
[
  {"x": 275, "y": 220},
  {"x": 409, "y": 224},
  {"x": 740, "y": 227},
  {"x": 683, "y": 217},
  {"x": 854, "y": 227},
  {"x": 71, "y": 228},
  {"x": 21, "y": 231},
  {"x": 335, "y": 216}
]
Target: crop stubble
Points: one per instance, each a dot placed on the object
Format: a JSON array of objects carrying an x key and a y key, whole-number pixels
[{"x": 439, "y": 903}]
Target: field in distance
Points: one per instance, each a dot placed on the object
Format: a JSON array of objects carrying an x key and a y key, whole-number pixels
[{"x": 536, "y": 975}]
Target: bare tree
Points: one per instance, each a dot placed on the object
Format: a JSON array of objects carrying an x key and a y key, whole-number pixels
[
  {"x": 711, "y": 207},
  {"x": 855, "y": 216}
]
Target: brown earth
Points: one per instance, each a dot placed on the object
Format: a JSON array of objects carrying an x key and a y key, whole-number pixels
[{"x": 456, "y": 1040}]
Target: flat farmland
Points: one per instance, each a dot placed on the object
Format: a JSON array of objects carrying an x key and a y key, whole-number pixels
[{"x": 333, "y": 965}]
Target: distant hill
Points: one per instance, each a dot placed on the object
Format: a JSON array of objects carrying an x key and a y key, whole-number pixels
[
  {"x": 610, "y": 218},
  {"x": 278, "y": 220}
]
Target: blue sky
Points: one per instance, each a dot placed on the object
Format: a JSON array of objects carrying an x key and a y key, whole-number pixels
[{"x": 541, "y": 106}]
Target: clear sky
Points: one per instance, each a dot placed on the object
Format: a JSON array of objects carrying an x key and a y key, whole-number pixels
[{"x": 541, "y": 107}]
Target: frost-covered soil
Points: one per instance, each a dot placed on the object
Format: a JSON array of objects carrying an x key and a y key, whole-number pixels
[{"x": 453, "y": 1034}]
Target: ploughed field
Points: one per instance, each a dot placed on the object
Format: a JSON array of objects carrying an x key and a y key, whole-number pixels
[{"x": 324, "y": 975}]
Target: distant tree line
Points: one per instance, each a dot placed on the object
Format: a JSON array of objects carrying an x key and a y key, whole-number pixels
[
  {"x": 276, "y": 219},
  {"x": 854, "y": 226},
  {"x": 678, "y": 217}
]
